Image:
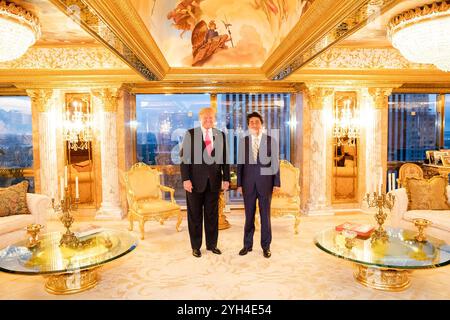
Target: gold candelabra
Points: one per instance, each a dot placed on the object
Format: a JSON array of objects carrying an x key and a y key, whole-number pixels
[
  {"x": 380, "y": 201},
  {"x": 68, "y": 239}
]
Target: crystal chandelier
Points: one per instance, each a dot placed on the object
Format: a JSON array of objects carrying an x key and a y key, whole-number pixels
[
  {"x": 19, "y": 30},
  {"x": 422, "y": 34},
  {"x": 78, "y": 127},
  {"x": 346, "y": 125}
]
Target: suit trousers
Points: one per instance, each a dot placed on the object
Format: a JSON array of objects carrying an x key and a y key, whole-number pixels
[
  {"x": 250, "y": 197},
  {"x": 203, "y": 204}
]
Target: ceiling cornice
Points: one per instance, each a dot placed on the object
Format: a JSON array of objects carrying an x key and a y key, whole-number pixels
[
  {"x": 325, "y": 23},
  {"x": 81, "y": 12}
]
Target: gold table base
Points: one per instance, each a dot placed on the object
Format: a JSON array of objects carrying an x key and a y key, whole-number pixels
[
  {"x": 73, "y": 282},
  {"x": 223, "y": 222},
  {"x": 382, "y": 278}
]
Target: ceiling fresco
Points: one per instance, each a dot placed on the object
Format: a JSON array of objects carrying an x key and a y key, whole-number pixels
[{"x": 217, "y": 33}]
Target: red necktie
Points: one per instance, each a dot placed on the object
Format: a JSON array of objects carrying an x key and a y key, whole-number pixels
[{"x": 208, "y": 143}]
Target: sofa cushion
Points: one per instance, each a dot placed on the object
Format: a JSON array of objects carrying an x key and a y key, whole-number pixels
[
  {"x": 156, "y": 206},
  {"x": 427, "y": 194},
  {"x": 13, "y": 200},
  {"x": 15, "y": 222},
  {"x": 440, "y": 219}
]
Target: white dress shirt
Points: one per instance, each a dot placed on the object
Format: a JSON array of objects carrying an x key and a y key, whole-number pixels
[{"x": 258, "y": 139}]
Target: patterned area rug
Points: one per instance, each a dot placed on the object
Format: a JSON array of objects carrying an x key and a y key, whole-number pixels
[{"x": 162, "y": 267}]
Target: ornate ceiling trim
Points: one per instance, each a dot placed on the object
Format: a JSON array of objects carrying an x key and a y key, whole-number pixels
[
  {"x": 227, "y": 87},
  {"x": 215, "y": 74},
  {"x": 364, "y": 58},
  {"x": 325, "y": 24},
  {"x": 81, "y": 12},
  {"x": 69, "y": 78},
  {"x": 67, "y": 58}
]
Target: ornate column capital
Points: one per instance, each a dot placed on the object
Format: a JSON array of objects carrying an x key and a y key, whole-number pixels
[
  {"x": 380, "y": 97},
  {"x": 109, "y": 97},
  {"x": 316, "y": 95},
  {"x": 40, "y": 98}
]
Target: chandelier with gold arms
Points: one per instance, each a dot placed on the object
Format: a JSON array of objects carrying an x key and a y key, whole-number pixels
[
  {"x": 346, "y": 125},
  {"x": 422, "y": 34},
  {"x": 78, "y": 127},
  {"x": 19, "y": 29}
]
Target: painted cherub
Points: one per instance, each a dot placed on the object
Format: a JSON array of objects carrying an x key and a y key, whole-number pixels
[{"x": 185, "y": 15}]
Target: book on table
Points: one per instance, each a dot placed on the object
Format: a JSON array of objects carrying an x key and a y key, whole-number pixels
[
  {"x": 88, "y": 230},
  {"x": 362, "y": 230}
]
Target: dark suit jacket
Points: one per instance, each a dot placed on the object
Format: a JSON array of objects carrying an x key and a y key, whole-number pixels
[
  {"x": 197, "y": 166},
  {"x": 260, "y": 175}
]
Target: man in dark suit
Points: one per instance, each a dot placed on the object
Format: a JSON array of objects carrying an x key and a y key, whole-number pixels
[
  {"x": 203, "y": 168},
  {"x": 258, "y": 176}
]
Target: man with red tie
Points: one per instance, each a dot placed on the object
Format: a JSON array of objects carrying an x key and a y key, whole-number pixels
[{"x": 204, "y": 171}]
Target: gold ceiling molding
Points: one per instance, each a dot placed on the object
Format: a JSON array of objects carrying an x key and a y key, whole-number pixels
[
  {"x": 325, "y": 23},
  {"x": 223, "y": 87},
  {"x": 90, "y": 21},
  {"x": 316, "y": 95},
  {"x": 123, "y": 19},
  {"x": 364, "y": 58},
  {"x": 380, "y": 97},
  {"x": 40, "y": 98},
  {"x": 67, "y": 78},
  {"x": 25, "y": 17},
  {"x": 66, "y": 58},
  {"x": 214, "y": 74}
]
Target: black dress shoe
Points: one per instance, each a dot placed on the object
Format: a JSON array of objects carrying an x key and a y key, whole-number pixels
[
  {"x": 196, "y": 253},
  {"x": 244, "y": 251},
  {"x": 267, "y": 253},
  {"x": 215, "y": 251}
]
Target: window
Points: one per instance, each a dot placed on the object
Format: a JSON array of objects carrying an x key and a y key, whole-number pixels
[
  {"x": 162, "y": 120},
  {"x": 414, "y": 126},
  {"x": 16, "y": 148}
]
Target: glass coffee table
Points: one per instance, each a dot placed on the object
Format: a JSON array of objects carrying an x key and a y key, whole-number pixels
[
  {"x": 385, "y": 265},
  {"x": 67, "y": 270}
]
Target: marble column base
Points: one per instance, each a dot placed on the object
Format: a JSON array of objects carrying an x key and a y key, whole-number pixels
[{"x": 109, "y": 212}]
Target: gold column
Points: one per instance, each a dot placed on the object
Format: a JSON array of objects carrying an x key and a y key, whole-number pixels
[
  {"x": 316, "y": 186},
  {"x": 44, "y": 141},
  {"x": 106, "y": 102},
  {"x": 380, "y": 100}
]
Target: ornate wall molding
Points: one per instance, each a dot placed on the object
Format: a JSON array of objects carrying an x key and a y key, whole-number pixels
[
  {"x": 109, "y": 98},
  {"x": 380, "y": 97},
  {"x": 68, "y": 58},
  {"x": 364, "y": 58},
  {"x": 316, "y": 96},
  {"x": 40, "y": 98}
]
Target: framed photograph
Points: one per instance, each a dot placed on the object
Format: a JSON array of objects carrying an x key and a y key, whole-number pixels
[
  {"x": 445, "y": 161},
  {"x": 438, "y": 155},
  {"x": 429, "y": 154}
]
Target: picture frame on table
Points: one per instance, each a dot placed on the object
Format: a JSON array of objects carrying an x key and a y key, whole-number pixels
[
  {"x": 445, "y": 161},
  {"x": 437, "y": 157}
]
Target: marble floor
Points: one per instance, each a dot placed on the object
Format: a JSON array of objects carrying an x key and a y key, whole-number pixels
[{"x": 162, "y": 267}]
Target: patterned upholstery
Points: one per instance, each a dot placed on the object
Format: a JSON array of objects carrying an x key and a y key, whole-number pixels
[
  {"x": 13, "y": 200},
  {"x": 409, "y": 170},
  {"x": 144, "y": 196}
]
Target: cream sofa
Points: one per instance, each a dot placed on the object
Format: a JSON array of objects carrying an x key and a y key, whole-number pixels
[
  {"x": 12, "y": 228},
  {"x": 401, "y": 217}
]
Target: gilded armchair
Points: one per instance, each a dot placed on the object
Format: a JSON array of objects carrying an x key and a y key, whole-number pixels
[
  {"x": 287, "y": 200},
  {"x": 144, "y": 196},
  {"x": 409, "y": 170}
]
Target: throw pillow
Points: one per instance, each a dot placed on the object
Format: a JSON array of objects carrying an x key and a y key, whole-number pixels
[
  {"x": 427, "y": 194},
  {"x": 13, "y": 200}
]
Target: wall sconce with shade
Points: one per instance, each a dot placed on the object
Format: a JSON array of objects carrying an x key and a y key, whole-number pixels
[{"x": 20, "y": 29}]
